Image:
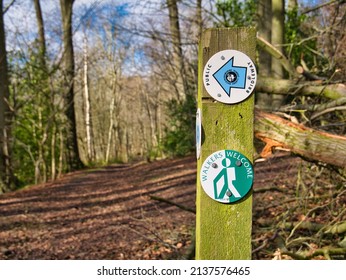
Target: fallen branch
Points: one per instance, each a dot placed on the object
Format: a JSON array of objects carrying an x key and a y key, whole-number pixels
[
  {"x": 308, "y": 75},
  {"x": 269, "y": 48},
  {"x": 291, "y": 87},
  {"x": 309, "y": 143},
  {"x": 326, "y": 252},
  {"x": 314, "y": 227},
  {"x": 326, "y": 111}
]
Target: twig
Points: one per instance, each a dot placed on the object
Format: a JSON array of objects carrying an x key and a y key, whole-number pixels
[
  {"x": 318, "y": 114},
  {"x": 326, "y": 252},
  {"x": 268, "y": 189},
  {"x": 309, "y": 10},
  {"x": 309, "y": 213},
  {"x": 158, "y": 238},
  {"x": 8, "y": 7}
]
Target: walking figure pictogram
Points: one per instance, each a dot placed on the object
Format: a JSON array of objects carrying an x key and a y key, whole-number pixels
[{"x": 225, "y": 180}]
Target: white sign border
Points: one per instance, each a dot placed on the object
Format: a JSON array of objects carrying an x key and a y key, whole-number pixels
[{"x": 212, "y": 86}]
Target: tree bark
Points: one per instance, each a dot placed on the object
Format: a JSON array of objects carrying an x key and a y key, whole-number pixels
[
  {"x": 6, "y": 177},
  {"x": 277, "y": 40},
  {"x": 306, "y": 142},
  {"x": 110, "y": 129},
  {"x": 290, "y": 87},
  {"x": 269, "y": 52},
  {"x": 87, "y": 111},
  {"x": 178, "y": 62},
  {"x": 41, "y": 32},
  {"x": 72, "y": 157},
  {"x": 199, "y": 18},
  {"x": 264, "y": 19}
]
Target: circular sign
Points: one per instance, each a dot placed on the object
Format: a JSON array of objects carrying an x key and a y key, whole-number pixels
[
  {"x": 227, "y": 176},
  {"x": 198, "y": 133},
  {"x": 230, "y": 76}
]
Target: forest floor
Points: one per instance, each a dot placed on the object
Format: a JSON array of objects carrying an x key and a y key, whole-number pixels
[{"x": 109, "y": 212}]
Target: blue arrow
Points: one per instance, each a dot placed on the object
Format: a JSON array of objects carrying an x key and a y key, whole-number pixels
[{"x": 229, "y": 76}]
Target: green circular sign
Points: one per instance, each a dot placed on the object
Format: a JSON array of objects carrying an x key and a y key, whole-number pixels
[{"x": 227, "y": 176}]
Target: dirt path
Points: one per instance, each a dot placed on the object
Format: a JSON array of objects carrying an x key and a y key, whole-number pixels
[
  {"x": 107, "y": 213},
  {"x": 102, "y": 214}
]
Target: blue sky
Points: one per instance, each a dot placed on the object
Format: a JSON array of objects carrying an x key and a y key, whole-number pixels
[{"x": 20, "y": 22}]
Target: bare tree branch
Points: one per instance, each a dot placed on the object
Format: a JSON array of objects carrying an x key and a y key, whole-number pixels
[
  {"x": 8, "y": 7},
  {"x": 309, "y": 10}
]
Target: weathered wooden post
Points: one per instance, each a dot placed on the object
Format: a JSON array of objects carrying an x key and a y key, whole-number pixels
[{"x": 226, "y": 110}]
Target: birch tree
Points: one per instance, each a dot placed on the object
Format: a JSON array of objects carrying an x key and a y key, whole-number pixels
[{"x": 87, "y": 109}]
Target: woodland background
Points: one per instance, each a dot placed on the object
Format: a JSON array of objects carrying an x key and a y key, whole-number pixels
[
  {"x": 89, "y": 83},
  {"x": 95, "y": 82}
]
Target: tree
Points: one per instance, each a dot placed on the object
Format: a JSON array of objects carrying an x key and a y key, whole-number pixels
[
  {"x": 177, "y": 55},
  {"x": 277, "y": 40},
  {"x": 41, "y": 32},
  {"x": 199, "y": 18},
  {"x": 72, "y": 152},
  {"x": 6, "y": 177},
  {"x": 264, "y": 21},
  {"x": 235, "y": 13},
  {"x": 87, "y": 111}
]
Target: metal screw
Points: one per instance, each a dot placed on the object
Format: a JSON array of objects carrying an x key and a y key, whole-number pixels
[
  {"x": 219, "y": 95},
  {"x": 222, "y": 58},
  {"x": 238, "y": 163},
  {"x": 214, "y": 165},
  {"x": 228, "y": 193}
]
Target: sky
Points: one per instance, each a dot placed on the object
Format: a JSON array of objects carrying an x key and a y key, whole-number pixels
[
  {"x": 20, "y": 21},
  {"x": 21, "y": 27}
]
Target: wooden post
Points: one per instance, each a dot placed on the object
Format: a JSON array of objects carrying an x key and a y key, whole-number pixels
[{"x": 223, "y": 231}]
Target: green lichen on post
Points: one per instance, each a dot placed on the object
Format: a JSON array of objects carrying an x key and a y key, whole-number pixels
[{"x": 223, "y": 231}]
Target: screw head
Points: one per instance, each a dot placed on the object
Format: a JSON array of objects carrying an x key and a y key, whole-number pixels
[
  {"x": 214, "y": 165},
  {"x": 238, "y": 163},
  {"x": 228, "y": 193}
]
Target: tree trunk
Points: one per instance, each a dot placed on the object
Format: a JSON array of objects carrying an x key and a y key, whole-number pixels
[
  {"x": 178, "y": 63},
  {"x": 264, "y": 11},
  {"x": 306, "y": 142},
  {"x": 52, "y": 147},
  {"x": 72, "y": 157},
  {"x": 277, "y": 40},
  {"x": 42, "y": 102},
  {"x": 110, "y": 129},
  {"x": 199, "y": 18},
  {"x": 41, "y": 34},
  {"x": 87, "y": 102},
  {"x": 6, "y": 177}
]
